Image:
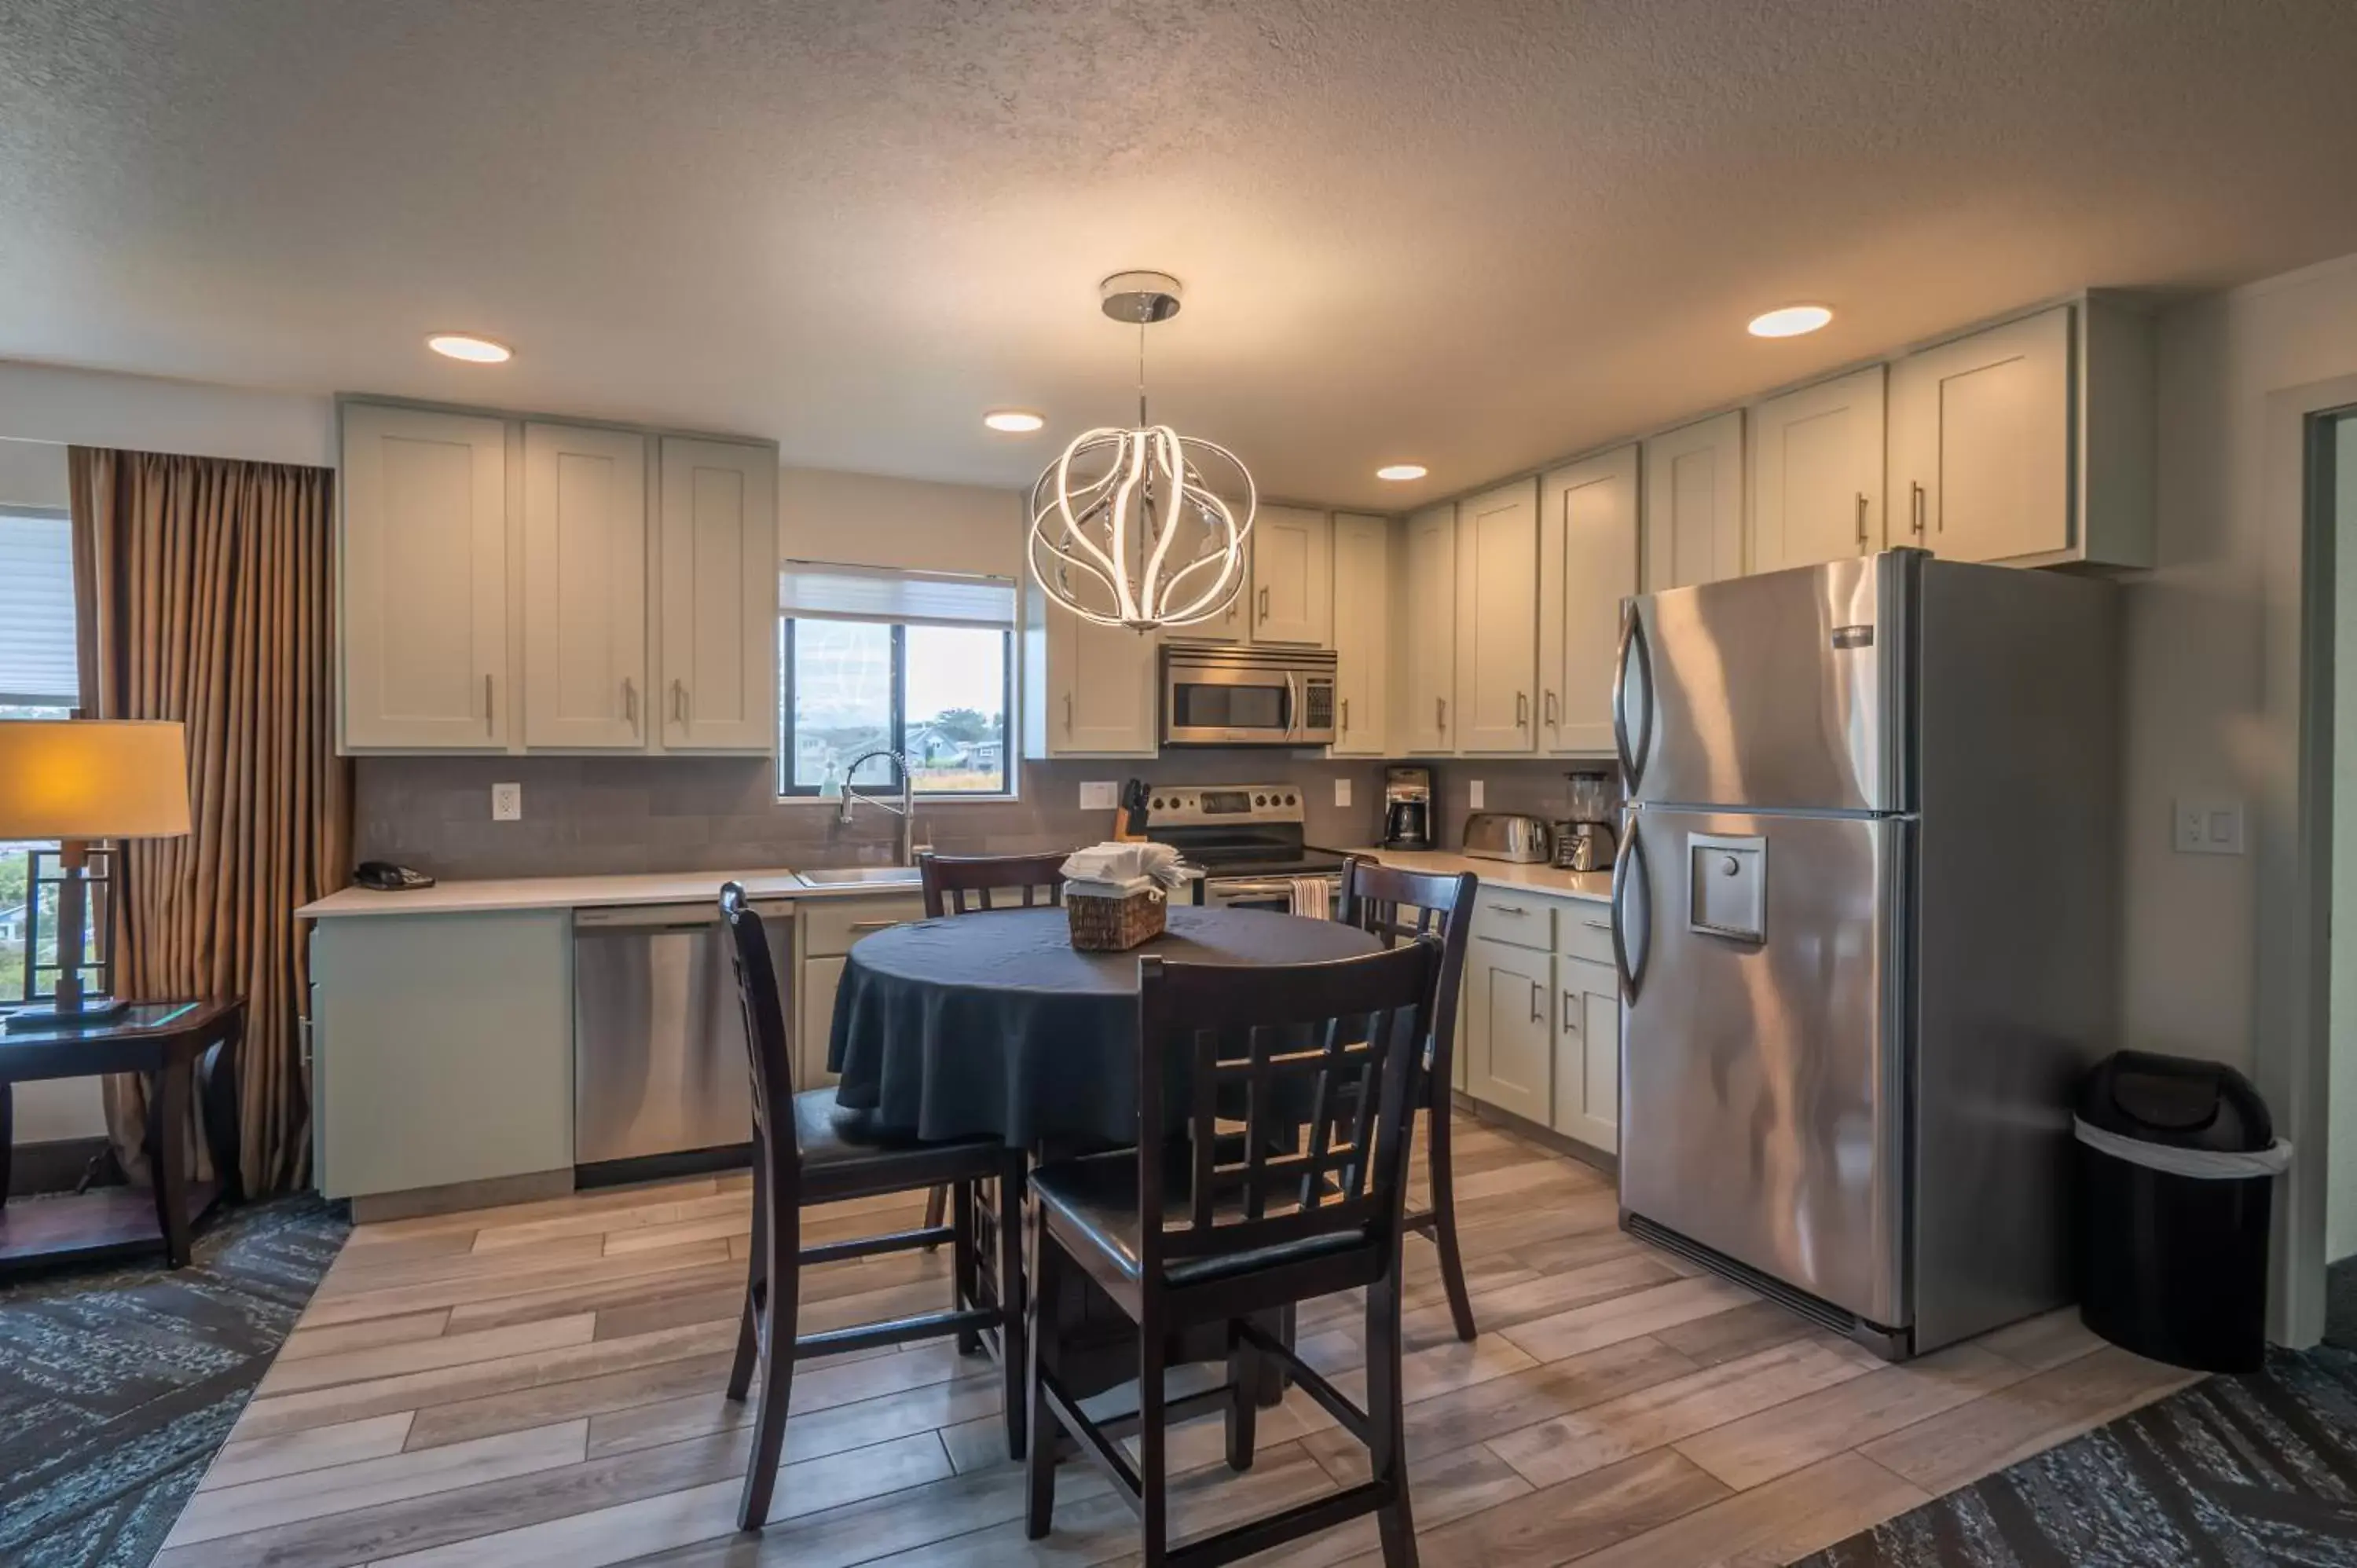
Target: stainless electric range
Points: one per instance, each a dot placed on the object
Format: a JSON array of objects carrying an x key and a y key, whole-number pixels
[{"x": 1249, "y": 840}]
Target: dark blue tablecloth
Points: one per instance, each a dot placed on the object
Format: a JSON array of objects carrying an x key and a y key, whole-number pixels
[{"x": 992, "y": 1024}]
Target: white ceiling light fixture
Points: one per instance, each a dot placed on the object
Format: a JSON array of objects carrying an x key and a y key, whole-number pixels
[
  {"x": 467, "y": 347},
  {"x": 1400, "y": 472},
  {"x": 1126, "y": 529},
  {"x": 1789, "y": 321},
  {"x": 1013, "y": 421}
]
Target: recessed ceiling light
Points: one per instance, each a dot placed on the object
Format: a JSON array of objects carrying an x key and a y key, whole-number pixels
[
  {"x": 1789, "y": 321},
  {"x": 467, "y": 347},
  {"x": 1013, "y": 421},
  {"x": 1401, "y": 471}
]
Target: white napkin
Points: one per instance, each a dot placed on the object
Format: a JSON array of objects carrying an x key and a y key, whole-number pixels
[{"x": 1117, "y": 870}]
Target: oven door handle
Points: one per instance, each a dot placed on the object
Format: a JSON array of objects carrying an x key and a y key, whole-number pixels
[{"x": 1268, "y": 887}]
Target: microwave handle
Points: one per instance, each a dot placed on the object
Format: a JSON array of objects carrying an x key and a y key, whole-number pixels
[{"x": 1292, "y": 704}]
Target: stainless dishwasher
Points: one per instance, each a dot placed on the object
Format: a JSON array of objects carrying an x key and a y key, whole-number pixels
[{"x": 660, "y": 1075}]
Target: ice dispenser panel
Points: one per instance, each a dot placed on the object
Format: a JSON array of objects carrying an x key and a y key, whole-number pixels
[{"x": 1726, "y": 887}]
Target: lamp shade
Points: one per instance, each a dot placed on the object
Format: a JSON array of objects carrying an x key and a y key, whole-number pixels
[{"x": 92, "y": 778}]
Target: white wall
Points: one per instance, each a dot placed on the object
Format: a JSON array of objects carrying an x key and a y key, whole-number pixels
[
  {"x": 868, "y": 520},
  {"x": 32, "y": 474}
]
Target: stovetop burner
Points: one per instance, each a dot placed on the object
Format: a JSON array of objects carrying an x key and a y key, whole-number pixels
[{"x": 1260, "y": 860}]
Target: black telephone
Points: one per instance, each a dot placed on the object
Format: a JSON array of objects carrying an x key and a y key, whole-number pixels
[{"x": 387, "y": 877}]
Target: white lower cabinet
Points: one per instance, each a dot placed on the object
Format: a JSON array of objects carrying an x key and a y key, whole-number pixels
[
  {"x": 814, "y": 1021},
  {"x": 824, "y": 931},
  {"x": 1509, "y": 1043},
  {"x": 1586, "y": 1104}
]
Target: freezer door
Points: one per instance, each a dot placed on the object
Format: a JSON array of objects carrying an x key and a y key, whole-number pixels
[
  {"x": 1782, "y": 691},
  {"x": 1763, "y": 1107}
]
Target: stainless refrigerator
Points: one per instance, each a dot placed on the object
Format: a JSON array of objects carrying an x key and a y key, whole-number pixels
[{"x": 1865, "y": 916}]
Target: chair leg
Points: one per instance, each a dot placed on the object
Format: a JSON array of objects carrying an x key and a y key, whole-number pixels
[
  {"x": 780, "y": 1307},
  {"x": 1387, "y": 1420},
  {"x": 1045, "y": 1355},
  {"x": 1443, "y": 1220},
  {"x": 936, "y": 1205},
  {"x": 966, "y": 1288},
  {"x": 1012, "y": 1362},
  {"x": 1243, "y": 1397},
  {"x": 749, "y": 1326},
  {"x": 1153, "y": 1440}
]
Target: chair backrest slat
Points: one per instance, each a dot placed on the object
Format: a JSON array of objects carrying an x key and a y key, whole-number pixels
[
  {"x": 1410, "y": 906},
  {"x": 768, "y": 1046},
  {"x": 963, "y": 884},
  {"x": 1324, "y": 1063}
]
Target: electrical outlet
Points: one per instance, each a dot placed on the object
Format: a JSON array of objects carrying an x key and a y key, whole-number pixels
[
  {"x": 507, "y": 802},
  {"x": 2207, "y": 827},
  {"x": 1342, "y": 791},
  {"x": 1476, "y": 794},
  {"x": 1100, "y": 795}
]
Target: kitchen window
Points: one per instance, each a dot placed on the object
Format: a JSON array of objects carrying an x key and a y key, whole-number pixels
[
  {"x": 918, "y": 663},
  {"x": 39, "y": 680}
]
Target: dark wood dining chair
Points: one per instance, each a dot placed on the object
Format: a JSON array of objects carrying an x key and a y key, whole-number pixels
[
  {"x": 806, "y": 1150},
  {"x": 1401, "y": 906},
  {"x": 1198, "y": 1227},
  {"x": 964, "y": 884}
]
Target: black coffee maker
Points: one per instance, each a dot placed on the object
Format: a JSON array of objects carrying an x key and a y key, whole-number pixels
[{"x": 1407, "y": 808}]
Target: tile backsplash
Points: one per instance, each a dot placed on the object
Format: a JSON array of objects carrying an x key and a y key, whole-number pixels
[{"x": 596, "y": 815}]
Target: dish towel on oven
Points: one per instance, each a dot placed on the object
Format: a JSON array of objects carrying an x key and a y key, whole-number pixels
[{"x": 1312, "y": 899}]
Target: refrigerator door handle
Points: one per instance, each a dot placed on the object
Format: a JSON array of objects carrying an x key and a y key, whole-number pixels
[
  {"x": 1631, "y": 862},
  {"x": 1632, "y": 647}
]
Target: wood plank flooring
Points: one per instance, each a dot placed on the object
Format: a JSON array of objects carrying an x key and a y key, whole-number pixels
[{"x": 542, "y": 1384}]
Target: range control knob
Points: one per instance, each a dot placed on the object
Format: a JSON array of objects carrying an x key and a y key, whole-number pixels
[{"x": 1260, "y": 800}]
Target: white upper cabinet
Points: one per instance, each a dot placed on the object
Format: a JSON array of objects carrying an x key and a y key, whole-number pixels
[
  {"x": 1089, "y": 690},
  {"x": 1817, "y": 473},
  {"x": 1428, "y": 658},
  {"x": 1587, "y": 565},
  {"x": 1363, "y": 640},
  {"x": 718, "y": 685},
  {"x": 1496, "y": 619},
  {"x": 584, "y": 587},
  {"x": 1980, "y": 443},
  {"x": 1694, "y": 504},
  {"x": 1292, "y": 576},
  {"x": 425, "y": 574}
]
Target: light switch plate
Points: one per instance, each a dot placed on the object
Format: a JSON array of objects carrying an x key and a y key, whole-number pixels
[
  {"x": 1476, "y": 794},
  {"x": 1100, "y": 795},
  {"x": 507, "y": 802},
  {"x": 1342, "y": 791},
  {"x": 2207, "y": 827}
]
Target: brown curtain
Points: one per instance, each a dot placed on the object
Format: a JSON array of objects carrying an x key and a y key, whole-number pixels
[{"x": 204, "y": 591}]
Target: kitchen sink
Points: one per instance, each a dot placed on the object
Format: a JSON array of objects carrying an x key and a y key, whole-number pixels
[{"x": 862, "y": 875}]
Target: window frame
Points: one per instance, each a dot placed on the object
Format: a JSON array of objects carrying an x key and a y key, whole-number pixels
[{"x": 790, "y": 793}]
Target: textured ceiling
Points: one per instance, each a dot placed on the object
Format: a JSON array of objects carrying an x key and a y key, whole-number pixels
[{"x": 1472, "y": 235}]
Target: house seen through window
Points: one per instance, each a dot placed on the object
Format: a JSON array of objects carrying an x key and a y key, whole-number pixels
[
  {"x": 38, "y": 680},
  {"x": 916, "y": 662}
]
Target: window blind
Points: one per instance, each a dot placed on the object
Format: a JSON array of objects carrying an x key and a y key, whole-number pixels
[
  {"x": 816, "y": 591},
  {"x": 36, "y": 611}
]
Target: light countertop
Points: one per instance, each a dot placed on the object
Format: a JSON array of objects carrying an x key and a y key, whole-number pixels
[
  {"x": 1593, "y": 886},
  {"x": 581, "y": 893}
]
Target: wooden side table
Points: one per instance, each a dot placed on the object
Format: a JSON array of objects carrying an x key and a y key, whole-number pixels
[{"x": 171, "y": 1043}]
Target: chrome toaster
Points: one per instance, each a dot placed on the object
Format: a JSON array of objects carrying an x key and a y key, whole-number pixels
[{"x": 1507, "y": 835}]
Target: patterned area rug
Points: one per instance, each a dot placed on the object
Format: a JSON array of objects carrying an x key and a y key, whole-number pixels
[
  {"x": 2238, "y": 1470},
  {"x": 117, "y": 1387}
]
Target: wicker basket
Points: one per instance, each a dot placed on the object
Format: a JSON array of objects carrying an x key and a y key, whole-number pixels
[{"x": 1114, "y": 925}]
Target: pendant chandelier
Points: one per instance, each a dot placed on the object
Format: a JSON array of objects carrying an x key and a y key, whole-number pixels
[{"x": 1126, "y": 528}]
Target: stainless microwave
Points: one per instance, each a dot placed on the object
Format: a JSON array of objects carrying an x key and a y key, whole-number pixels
[{"x": 1247, "y": 696}]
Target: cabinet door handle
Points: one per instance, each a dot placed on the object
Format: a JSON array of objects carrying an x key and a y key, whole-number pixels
[
  {"x": 1570, "y": 1022},
  {"x": 1861, "y": 517},
  {"x": 1345, "y": 716},
  {"x": 1068, "y": 713},
  {"x": 1522, "y": 710},
  {"x": 873, "y": 925},
  {"x": 491, "y": 726},
  {"x": 1263, "y": 606},
  {"x": 1596, "y": 925},
  {"x": 1440, "y": 713},
  {"x": 1915, "y": 505},
  {"x": 1508, "y": 909},
  {"x": 1538, "y": 1002},
  {"x": 679, "y": 702},
  {"x": 1552, "y": 711},
  {"x": 631, "y": 703}
]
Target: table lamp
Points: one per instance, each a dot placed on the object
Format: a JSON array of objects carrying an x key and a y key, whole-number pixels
[{"x": 75, "y": 780}]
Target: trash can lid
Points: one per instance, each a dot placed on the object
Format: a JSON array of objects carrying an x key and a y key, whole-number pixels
[{"x": 2176, "y": 1101}]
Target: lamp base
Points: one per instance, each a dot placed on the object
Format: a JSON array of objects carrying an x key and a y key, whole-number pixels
[{"x": 89, "y": 1016}]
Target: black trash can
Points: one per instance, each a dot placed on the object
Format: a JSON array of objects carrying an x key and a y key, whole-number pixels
[{"x": 2177, "y": 1165}]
